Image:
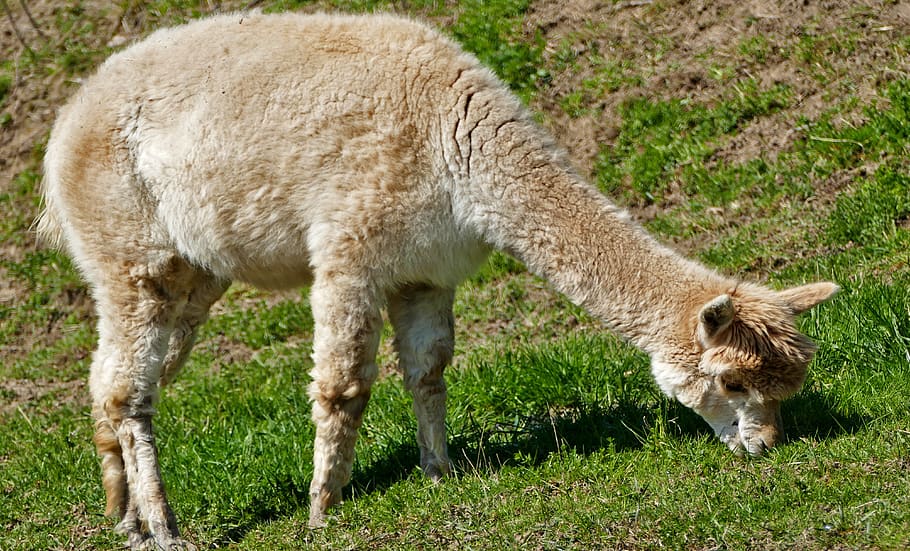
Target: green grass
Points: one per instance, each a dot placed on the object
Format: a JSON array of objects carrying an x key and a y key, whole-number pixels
[
  {"x": 559, "y": 436},
  {"x": 492, "y": 31},
  {"x": 659, "y": 140},
  {"x": 609, "y": 76}
]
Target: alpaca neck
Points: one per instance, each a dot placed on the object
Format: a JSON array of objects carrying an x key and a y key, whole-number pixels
[{"x": 566, "y": 231}]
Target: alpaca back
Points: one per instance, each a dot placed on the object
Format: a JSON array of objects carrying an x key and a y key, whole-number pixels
[{"x": 245, "y": 141}]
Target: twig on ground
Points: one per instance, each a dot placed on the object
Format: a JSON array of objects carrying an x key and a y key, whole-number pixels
[
  {"x": 631, "y": 4},
  {"x": 12, "y": 20},
  {"x": 32, "y": 20},
  {"x": 836, "y": 140}
]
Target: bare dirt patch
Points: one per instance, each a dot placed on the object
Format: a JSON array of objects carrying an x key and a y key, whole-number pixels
[
  {"x": 697, "y": 50},
  {"x": 35, "y": 92},
  {"x": 17, "y": 393}
]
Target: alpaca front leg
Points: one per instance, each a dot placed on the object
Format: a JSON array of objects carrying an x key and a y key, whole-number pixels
[
  {"x": 346, "y": 337},
  {"x": 424, "y": 339}
]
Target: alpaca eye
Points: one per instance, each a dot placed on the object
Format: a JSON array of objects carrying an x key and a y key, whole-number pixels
[{"x": 733, "y": 387}]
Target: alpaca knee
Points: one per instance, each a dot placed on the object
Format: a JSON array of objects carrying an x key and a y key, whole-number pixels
[
  {"x": 338, "y": 413},
  {"x": 341, "y": 392},
  {"x": 181, "y": 342},
  {"x": 423, "y": 369},
  {"x": 339, "y": 409}
]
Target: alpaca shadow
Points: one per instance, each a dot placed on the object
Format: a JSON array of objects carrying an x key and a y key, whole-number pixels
[
  {"x": 809, "y": 415},
  {"x": 528, "y": 441}
]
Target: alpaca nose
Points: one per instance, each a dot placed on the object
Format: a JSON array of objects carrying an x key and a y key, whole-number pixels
[{"x": 762, "y": 439}]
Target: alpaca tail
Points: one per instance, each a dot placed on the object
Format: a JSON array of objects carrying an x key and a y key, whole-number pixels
[
  {"x": 48, "y": 227},
  {"x": 49, "y": 224}
]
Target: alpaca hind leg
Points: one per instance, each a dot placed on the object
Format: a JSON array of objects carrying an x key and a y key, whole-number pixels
[
  {"x": 107, "y": 444},
  {"x": 206, "y": 289},
  {"x": 346, "y": 336},
  {"x": 424, "y": 339},
  {"x": 138, "y": 308}
]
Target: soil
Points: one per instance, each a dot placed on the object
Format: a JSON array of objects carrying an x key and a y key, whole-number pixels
[
  {"x": 675, "y": 47},
  {"x": 675, "y": 44},
  {"x": 21, "y": 391},
  {"x": 672, "y": 43}
]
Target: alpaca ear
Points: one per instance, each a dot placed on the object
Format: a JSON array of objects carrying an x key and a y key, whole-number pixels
[
  {"x": 805, "y": 297},
  {"x": 715, "y": 317}
]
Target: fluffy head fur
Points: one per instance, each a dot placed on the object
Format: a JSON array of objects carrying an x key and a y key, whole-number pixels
[{"x": 746, "y": 355}]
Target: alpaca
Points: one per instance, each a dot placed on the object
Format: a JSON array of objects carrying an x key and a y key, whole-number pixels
[{"x": 372, "y": 159}]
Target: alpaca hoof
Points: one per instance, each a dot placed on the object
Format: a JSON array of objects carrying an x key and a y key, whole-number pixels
[
  {"x": 167, "y": 543},
  {"x": 437, "y": 471},
  {"x": 434, "y": 474},
  {"x": 317, "y": 520},
  {"x": 159, "y": 543}
]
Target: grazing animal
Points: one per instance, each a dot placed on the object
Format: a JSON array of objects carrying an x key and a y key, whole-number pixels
[{"x": 372, "y": 159}]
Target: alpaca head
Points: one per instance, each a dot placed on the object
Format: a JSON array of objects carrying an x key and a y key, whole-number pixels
[{"x": 750, "y": 356}]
